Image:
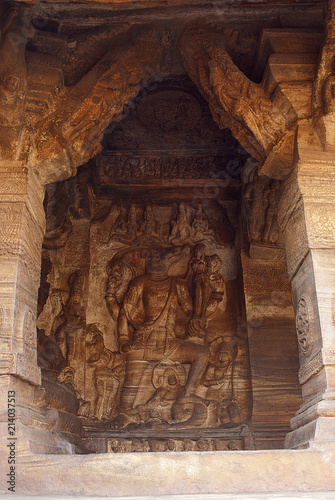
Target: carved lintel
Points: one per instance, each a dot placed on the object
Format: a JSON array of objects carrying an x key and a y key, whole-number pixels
[{"x": 150, "y": 166}]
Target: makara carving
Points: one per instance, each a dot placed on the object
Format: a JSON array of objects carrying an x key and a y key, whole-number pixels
[
  {"x": 323, "y": 91},
  {"x": 72, "y": 133}
]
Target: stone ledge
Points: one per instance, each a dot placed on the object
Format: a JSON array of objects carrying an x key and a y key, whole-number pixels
[
  {"x": 322, "y": 495},
  {"x": 178, "y": 473}
]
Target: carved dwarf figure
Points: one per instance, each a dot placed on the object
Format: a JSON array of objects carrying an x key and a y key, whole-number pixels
[
  {"x": 218, "y": 378},
  {"x": 168, "y": 378},
  {"x": 49, "y": 355}
]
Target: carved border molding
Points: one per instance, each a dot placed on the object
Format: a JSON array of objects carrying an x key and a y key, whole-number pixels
[
  {"x": 152, "y": 166},
  {"x": 311, "y": 368}
]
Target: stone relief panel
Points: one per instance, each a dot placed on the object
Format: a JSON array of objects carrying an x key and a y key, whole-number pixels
[
  {"x": 169, "y": 115},
  {"x": 146, "y": 323}
]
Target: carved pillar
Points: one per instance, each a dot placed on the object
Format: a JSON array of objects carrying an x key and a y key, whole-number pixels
[
  {"x": 269, "y": 313},
  {"x": 22, "y": 225},
  {"x": 307, "y": 219},
  {"x": 272, "y": 346}
]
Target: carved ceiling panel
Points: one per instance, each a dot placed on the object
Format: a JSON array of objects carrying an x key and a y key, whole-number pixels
[{"x": 78, "y": 69}]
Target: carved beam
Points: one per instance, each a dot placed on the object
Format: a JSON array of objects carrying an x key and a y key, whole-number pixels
[
  {"x": 262, "y": 125},
  {"x": 71, "y": 135}
]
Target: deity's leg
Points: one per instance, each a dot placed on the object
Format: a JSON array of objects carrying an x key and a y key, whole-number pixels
[
  {"x": 198, "y": 356},
  {"x": 135, "y": 368}
]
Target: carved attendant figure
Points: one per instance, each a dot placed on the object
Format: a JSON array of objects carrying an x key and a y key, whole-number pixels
[
  {"x": 70, "y": 334},
  {"x": 181, "y": 230},
  {"x": 218, "y": 377},
  {"x": 255, "y": 203},
  {"x": 205, "y": 273},
  {"x": 107, "y": 373}
]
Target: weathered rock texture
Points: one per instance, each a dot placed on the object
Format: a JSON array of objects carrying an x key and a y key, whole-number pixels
[{"x": 162, "y": 294}]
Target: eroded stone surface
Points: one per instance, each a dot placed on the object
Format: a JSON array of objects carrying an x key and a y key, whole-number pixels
[{"x": 154, "y": 326}]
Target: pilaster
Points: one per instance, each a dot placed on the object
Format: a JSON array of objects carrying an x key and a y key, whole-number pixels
[
  {"x": 22, "y": 228},
  {"x": 307, "y": 219}
]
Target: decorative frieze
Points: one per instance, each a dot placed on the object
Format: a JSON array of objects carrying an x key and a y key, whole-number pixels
[
  {"x": 129, "y": 167},
  {"x": 311, "y": 368},
  {"x": 160, "y": 444}
]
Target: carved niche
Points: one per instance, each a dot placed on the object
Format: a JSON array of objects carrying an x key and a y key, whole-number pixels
[{"x": 141, "y": 284}]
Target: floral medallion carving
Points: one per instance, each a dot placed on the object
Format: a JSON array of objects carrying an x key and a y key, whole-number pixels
[{"x": 305, "y": 324}]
